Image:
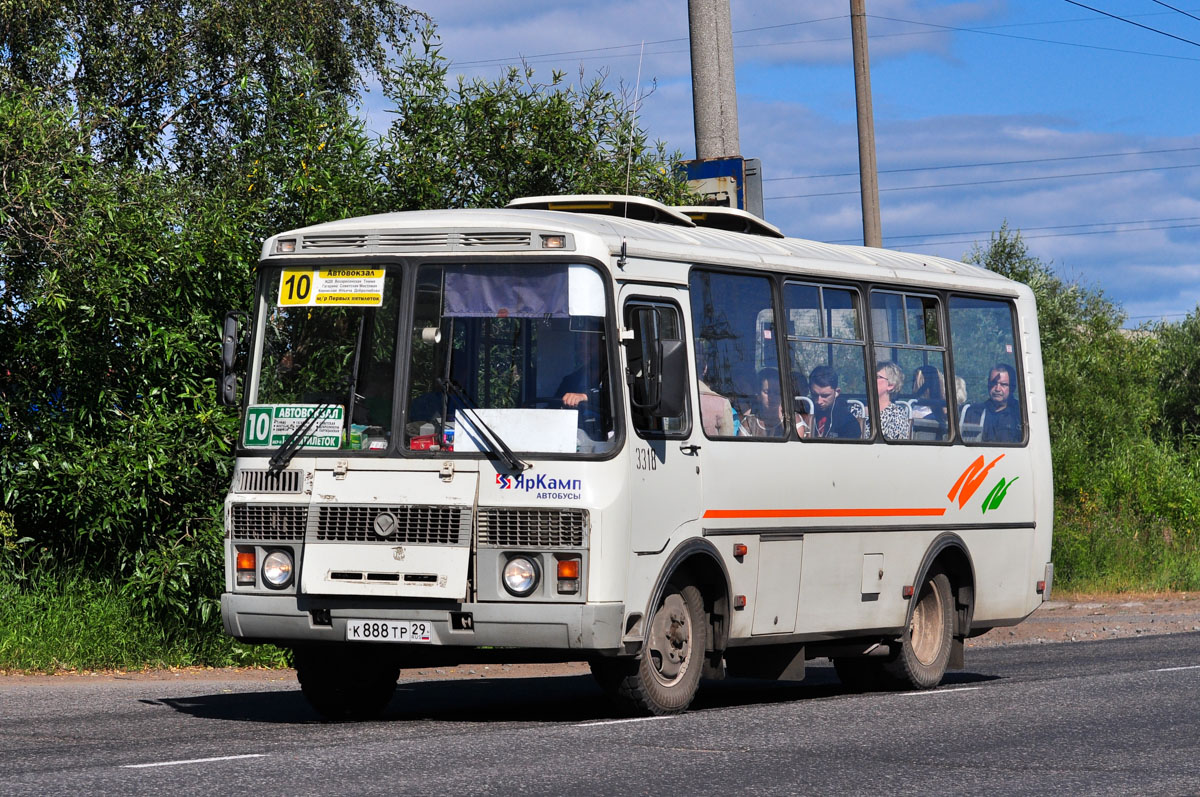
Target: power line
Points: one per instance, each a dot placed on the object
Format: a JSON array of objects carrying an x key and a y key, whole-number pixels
[
  {"x": 1173, "y": 8},
  {"x": 494, "y": 61},
  {"x": 994, "y": 182},
  {"x": 1024, "y": 230},
  {"x": 1053, "y": 235},
  {"x": 1157, "y": 315},
  {"x": 1135, "y": 24},
  {"x": 993, "y": 163},
  {"x": 991, "y": 30},
  {"x": 987, "y": 32}
]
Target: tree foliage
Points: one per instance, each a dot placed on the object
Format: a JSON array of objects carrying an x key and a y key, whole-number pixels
[
  {"x": 1179, "y": 376},
  {"x": 156, "y": 82},
  {"x": 145, "y": 151},
  {"x": 1125, "y": 479}
]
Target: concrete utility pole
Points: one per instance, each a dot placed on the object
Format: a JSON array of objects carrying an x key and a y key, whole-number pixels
[
  {"x": 714, "y": 96},
  {"x": 867, "y": 174}
]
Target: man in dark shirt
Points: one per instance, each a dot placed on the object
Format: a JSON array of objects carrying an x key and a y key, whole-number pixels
[
  {"x": 1002, "y": 412},
  {"x": 831, "y": 416}
]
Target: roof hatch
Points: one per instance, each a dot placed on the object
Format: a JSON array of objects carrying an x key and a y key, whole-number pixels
[{"x": 626, "y": 207}]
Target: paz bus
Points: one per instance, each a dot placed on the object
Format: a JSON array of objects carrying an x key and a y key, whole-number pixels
[{"x": 668, "y": 442}]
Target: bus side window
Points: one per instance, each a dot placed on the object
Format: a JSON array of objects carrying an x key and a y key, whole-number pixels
[
  {"x": 985, "y": 352},
  {"x": 827, "y": 358},
  {"x": 737, "y": 362},
  {"x": 910, "y": 351}
]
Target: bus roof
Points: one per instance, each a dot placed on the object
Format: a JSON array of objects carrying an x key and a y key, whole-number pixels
[{"x": 665, "y": 237}]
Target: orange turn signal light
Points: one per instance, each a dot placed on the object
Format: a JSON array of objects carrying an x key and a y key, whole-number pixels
[
  {"x": 245, "y": 560},
  {"x": 740, "y": 549},
  {"x": 568, "y": 568}
]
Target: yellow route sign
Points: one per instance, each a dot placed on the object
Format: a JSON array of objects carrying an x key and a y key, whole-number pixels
[{"x": 328, "y": 287}]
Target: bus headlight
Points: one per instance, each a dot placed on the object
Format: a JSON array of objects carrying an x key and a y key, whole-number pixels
[
  {"x": 277, "y": 569},
  {"x": 521, "y": 576}
]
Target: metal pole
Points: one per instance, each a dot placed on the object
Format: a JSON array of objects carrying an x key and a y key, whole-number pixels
[
  {"x": 867, "y": 174},
  {"x": 714, "y": 95}
]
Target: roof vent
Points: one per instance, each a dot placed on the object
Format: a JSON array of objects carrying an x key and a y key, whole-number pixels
[
  {"x": 626, "y": 207},
  {"x": 721, "y": 217}
]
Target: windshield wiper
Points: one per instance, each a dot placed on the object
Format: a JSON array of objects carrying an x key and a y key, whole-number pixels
[
  {"x": 494, "y": 442},
  {"x": 283, "y": 455}
]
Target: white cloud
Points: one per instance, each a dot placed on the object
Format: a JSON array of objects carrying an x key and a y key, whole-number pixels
[{"x": 795, "y": 92}]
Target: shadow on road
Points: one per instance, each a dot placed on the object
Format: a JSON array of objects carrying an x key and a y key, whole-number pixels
[{"x": 561, "y": 699}]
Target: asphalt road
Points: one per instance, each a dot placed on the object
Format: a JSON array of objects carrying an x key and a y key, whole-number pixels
[{"x": 1109, "y": 717}]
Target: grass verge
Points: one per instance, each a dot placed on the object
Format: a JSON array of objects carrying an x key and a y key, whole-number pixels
[
  {"x": 72, "y": 622},
  {"x": 1100, "y": 550}
]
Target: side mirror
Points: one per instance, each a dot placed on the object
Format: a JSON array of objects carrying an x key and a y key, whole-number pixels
[
  {"x": 229, "y": 341},
  {"x": 657, "y": 368},
  {"x": 644, "y": 359},
  {"x": 673, "y": 370}
]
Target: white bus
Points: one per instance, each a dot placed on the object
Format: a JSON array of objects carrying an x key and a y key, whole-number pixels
[{"x": 669, "y": 442}]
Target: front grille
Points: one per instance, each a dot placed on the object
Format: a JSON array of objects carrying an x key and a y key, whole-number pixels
[
  {"x": 416, "y": 241},
  {"x": 533, "y": 528},
  {"x": 415, "y": 525},
  {"x": 495, "y": 240},
  {"x": 420, "y": 241},
  {"x": 333, "y": 242},
  {"x": 263, "y": 481},
  {"x": 285, "y": 523}
]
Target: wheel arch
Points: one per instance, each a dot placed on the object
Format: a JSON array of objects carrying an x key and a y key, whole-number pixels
[
  {"x": 949, "y": 554},
  {"x": 696, "y": 561}
]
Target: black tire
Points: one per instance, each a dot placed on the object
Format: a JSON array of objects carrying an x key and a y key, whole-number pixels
[
  {"x": 924, "y": 650},
  {"x": 610, "y": 673},
  {"x": 347, "y": 682},
  {"x": 672, "y": 660}
]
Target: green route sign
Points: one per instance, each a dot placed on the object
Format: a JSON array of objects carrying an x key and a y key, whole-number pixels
[{"x": 268, "y": 425}]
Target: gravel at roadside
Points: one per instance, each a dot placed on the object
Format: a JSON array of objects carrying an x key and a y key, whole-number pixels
[
  {"x": 1100, "y": 617},
  {"x": 1065, "y": 619}
]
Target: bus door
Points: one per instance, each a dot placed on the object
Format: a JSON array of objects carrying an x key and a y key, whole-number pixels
[{"x": 665, "y": 450}]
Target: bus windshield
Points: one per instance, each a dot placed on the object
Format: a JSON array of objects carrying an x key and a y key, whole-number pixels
[
  {"x": 518, "y": 349},
  {"x": 329, "y": 345}
]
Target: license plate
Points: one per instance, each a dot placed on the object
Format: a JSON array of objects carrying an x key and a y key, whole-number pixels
[{"x": 390, "y": 631}]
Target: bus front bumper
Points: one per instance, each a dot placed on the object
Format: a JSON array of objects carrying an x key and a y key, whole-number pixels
[{"x": 288, "y": 620}]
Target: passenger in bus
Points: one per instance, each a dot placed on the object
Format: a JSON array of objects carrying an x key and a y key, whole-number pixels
[
  {"x": 929, "y": 394},
  {"x": 832, "y": 416},
  {"x": 1001, "y": 412},
  {"x": 894, "y": 419},
  {"x": 716, "y": 411},
  {"x": 765, "y": 418},
  {"x": 803, "y": 404}
]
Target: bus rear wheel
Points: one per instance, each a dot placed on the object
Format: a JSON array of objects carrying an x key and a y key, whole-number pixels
[
  {"x": 668, "y": 672},
  {"x": 925, "y": 647},
  {"x": 346, "y": 682}
]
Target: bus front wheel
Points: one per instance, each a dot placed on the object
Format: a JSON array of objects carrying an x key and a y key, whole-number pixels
[
  {"x": 925, "y": 647},
  {"x": 346, "y": 683},
  {"x": 668, "y": 672}
]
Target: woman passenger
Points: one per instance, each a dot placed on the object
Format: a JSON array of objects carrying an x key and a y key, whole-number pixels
[
  {"x": 765, "y": 418},
  {"x": 893, "y": 417}
]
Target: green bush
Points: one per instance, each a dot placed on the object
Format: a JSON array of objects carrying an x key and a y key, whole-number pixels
[
  {"x": 136, "y": 196},
  {"x": 1125, "y": 479}
]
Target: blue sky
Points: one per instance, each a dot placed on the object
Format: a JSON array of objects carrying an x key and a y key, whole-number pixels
[{"x": 1080, "y": 130}]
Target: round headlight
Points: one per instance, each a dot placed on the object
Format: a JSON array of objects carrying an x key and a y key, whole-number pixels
[
  {"x": 277, "y": 569},
  {"x": 521, "y": 576}
]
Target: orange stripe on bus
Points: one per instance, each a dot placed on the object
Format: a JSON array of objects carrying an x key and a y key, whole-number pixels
[{"x": 802, "y": 513}]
